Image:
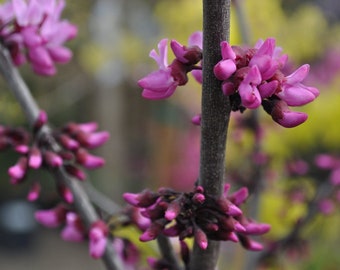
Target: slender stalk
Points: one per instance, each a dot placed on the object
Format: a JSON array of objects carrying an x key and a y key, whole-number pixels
[
  {"x": 31, "y": 111},
  {"x": 167, "y": 252},
  {"x": 215, "y": 118},
  {"x": 242, "y": 21}
]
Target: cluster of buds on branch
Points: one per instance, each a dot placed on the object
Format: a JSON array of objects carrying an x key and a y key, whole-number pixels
[
  {"x": 196, "y": 214},
  {"x": 72, "y": 151}
]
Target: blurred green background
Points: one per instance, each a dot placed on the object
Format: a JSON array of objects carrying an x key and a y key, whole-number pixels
[{"x": 154, "y": 144}]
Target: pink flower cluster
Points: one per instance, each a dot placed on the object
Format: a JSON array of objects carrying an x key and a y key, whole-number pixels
[
  {"x": 74, "y": 139},
  {"x": 196, "y": 214},
  {"x": 254, "y": 76},
  {"x": 163, "y": 82},
  {"x": 32, "y": 30},
  {"x": 74, "y": 229},
  {"x": 324, "y": 167}
]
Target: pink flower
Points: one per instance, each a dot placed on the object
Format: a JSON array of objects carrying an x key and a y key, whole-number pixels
[
  {"x": 254, "y": 77},
  {"x": 87, "y": 160},
  {"x": 248, "y": 90},
  {"x": 34, "y": 29},
  {"x": 34, "y": 192},
  {"x": 18, "y": 171},
  {"x": 74, "y": 230},
  {"x": 162, "y": 83},
  {"x": 294, "y": 92},
  {"x": 98, "y": 239},
  {"x": 51, "y": 218},
  {"x": 226, "y": 67},
  {"x": 159, "y": 84}
]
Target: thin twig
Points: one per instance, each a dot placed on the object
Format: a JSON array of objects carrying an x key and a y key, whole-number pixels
[
  {"x": 215, "y": 118},
  {"x": 31, "y": 111},
  {"x": 167, "y": 252}
]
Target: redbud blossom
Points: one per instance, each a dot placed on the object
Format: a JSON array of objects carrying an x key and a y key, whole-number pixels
[
  {"x": 162, "y": 83},
  {"x": 32, "y": 30},
  {"x": 254, "y": 77},
  {"x": 98, "y": 239},
  {"x": 34, "y": 192},
  {"x": 51, "y": 218},
  {"x": 74, "y": 230}
]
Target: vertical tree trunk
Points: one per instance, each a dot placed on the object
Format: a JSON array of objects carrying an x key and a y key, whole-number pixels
[{"x": 215, "y": 117}]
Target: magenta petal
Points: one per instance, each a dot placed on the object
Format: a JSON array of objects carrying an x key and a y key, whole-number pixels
[
  {"x": 97, "y": 248},
  {"x": 196, "y": 39},
  {"x": 268, "y": 89},
  {"x": 267, "y": 47},
  {"x": 224, "y": 69},
  {"x": 291, "y": 119},
  {"x": 31, "y": 37},
  {"x": 227, "y": 51},
  {"x": 178, "y": 51},
  {"x": 197, "y": 74},
  {"x": 40, "y": 56},
  {"x": 60, "y": 54},
  {"x": 159, "y": 80},
  {"x": 296, "y": 95},
  {"x": 298, "y": 76},
  {"x": 161, "y": 58},
  {"x": 250, "y": 96}
]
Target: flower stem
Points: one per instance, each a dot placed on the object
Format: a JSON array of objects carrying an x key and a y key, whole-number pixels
[
  {"x": 215, "y": 117},
  {"x": 31, "y": 111}
]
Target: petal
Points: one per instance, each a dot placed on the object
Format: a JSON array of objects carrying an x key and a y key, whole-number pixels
[
  {"x": 227, "y": 51},
  {"x": 179, "y": 51},
  {"x": 161, "y": 58},
  {"x": 297, "y": 95},
  {"x": 224, "y": 69},
  {"x": 268, "y": 89},
  {"x": 196, "y": 39},
  {"x": 286, "y": 118},
  {"x": 267, "y": 47},
  {"x": 158, "y": 81},
  {"x": 60, "y": 54},
  {"x": 298, "y": 76}
]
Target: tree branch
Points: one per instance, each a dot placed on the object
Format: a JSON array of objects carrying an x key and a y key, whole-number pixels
[
  {"x": 31, "y": 111},
  {"x": 167, "y": 252},
  {"x": 215, "y": 117}
]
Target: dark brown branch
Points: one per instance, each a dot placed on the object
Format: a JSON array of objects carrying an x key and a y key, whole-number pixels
[
  {"x": 31, "y": 111},
  {"x": 167, "y": 252},
  {"x": 215, "y": 117}
]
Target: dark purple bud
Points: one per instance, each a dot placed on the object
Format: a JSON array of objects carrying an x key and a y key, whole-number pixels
[
  {"x": 198, "y": 198},
  {"x": 41, "y": 120},
  {"x": 239, "y": 196},
  {"x": 76, "y": 172},
  {"x": 144, "y": 199},
  {"x": 34, "y": 158},
  {"x": 173, "y": 210},
  {"x": 18, "y": 171},
  {"x": 201, "y": 238},
  {"x": 52, "y": 159},
  {"x": 34, "y": 192},
  {"x": 92, "y": 140},
  {"x": 67, "y": 142},
  {"x": 227, "y": 207},
  {"x": 51, "y": 218},
  {"x": 87, "y": 160}
]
